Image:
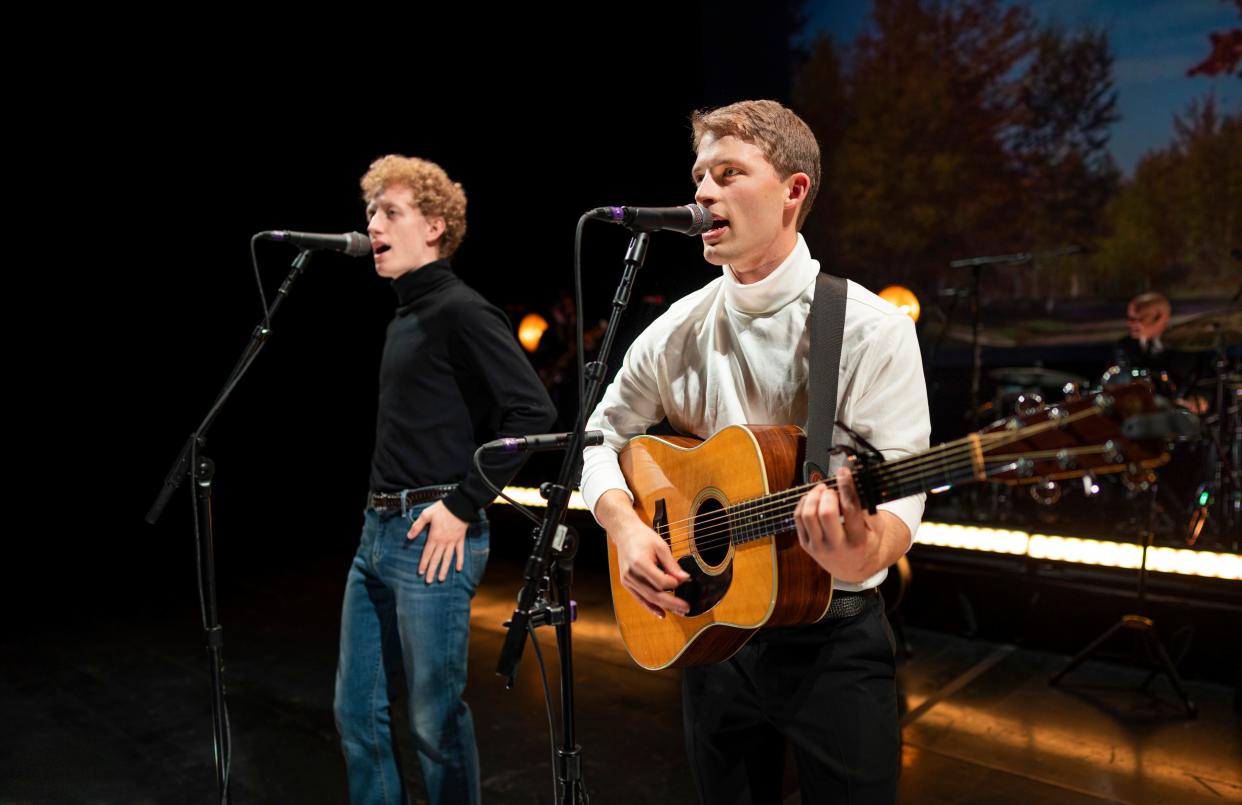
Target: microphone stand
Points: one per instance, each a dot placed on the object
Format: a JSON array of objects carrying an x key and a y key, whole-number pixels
[
  {"x": 1139, "y": 621},
  {"x": 190, "y": 463},
  {"x": 539, "y": 602},
  {"x": 976, "y": 264}
]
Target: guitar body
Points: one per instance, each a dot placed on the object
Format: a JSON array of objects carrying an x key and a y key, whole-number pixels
[{"x": 737, "y": 586}]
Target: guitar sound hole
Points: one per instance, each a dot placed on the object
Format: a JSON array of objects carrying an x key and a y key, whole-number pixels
[{"x": 711, "y": 533}]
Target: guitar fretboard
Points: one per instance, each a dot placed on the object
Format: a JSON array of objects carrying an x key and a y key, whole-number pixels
[{"x": 940, "y": 467}]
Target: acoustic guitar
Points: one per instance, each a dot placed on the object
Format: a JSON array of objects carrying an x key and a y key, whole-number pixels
[{"x": 725, "y": 507}]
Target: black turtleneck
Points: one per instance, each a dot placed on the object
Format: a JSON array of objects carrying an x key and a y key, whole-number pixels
[{"x": 451, "y": 377}]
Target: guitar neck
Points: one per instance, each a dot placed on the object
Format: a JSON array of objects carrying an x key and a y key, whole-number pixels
[
  {"x": 1061, "y": 441},
  {"x": 935, "y": 469}
]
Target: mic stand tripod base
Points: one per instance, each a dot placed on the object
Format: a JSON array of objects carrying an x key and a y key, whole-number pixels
[
  {"x": 1146, "y": 628},
  {"x": 557, "y": 609},
  {"x": 1140, "y": 623}
]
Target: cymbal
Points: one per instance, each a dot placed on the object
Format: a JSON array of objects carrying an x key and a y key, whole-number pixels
[
  {"x": 1199, "y": 333},
  {"x": 1034, "y": 376}
]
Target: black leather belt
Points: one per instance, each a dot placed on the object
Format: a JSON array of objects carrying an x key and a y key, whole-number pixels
[
  {"x": 847, "y": 604},
  {"x": 402, "y": 501}
]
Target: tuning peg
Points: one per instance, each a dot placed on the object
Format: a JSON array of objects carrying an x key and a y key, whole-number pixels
[
  {"x": 1029, "y": 402},
  {"x": 1046, "y": 492},
  {"x": 1090, "y": 486}
]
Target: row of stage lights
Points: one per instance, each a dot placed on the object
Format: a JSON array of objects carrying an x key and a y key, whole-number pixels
[{"x": 1074, "y": 550}]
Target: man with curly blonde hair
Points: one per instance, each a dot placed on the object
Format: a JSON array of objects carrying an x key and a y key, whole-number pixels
[{"x": 451, "y": 376}]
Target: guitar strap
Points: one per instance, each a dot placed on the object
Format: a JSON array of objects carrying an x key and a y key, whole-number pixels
[{"x": 827, "y": 325}]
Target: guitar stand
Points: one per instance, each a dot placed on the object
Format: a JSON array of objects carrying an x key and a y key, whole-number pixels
[{"x": 1140, "y": 623}]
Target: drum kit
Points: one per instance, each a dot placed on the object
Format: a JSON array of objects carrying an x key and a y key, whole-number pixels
[
  {"x": 1196, "y": 498},
  {"x": 1201, "y": 487}
]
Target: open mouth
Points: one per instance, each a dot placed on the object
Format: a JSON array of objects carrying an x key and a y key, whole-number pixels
[{"x": 381, "y": 248}]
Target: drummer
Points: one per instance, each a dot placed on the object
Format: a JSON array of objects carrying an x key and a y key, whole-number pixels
[{"x": 1148, "y": 315}]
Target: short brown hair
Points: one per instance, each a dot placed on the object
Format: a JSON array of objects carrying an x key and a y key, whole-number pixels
[
  {"x": 785, "y": 139},
  {"x": 1145, "y": 301},
  {"x": 435, "y": 194}
]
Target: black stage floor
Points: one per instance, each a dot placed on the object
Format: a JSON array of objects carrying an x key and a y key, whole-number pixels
[{"x": 112, "y": 705}]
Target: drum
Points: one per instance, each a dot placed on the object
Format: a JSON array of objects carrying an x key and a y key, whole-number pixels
[{"x": 1159, "y": 380}]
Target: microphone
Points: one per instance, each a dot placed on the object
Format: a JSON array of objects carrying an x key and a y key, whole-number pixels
[
  {"x": 688, "y": 219},
  {"x": 542, "y": 441},
  {"x": 355, "y": 244}
]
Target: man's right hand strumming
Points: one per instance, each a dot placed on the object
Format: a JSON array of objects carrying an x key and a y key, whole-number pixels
[{"x": 644, "y": 562}]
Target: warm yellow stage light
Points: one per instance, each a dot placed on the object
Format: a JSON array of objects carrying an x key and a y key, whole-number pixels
[
  {"x": 903, "y": 298},
  {"x": 531, "y": 330}
]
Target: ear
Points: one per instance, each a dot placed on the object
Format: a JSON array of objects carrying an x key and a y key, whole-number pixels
[
  {"x": 797, "y": 186},
  {"x": 435, "y": 229}
]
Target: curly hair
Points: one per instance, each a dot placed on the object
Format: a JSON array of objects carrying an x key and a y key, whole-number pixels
[
  {"x": 785, "y": 139},
  {"x": 435, "y": 194}
]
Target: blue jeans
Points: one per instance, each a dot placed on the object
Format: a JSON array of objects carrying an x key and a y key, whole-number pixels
[{"x": 394, "y": 624}]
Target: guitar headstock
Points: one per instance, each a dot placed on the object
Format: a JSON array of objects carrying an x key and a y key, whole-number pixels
[{"x": 1071, "y": 438}]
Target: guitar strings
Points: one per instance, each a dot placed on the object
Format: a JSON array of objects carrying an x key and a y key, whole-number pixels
[
  {"x": 945, "y": 466},
  {"x": 944, "y": 455},
  {"x": 905, "y": 469},
  {"x": 948, "y": 461},
  {"x": 950, "y": 456},
  {"x": 783, "y": 502},
  {"x": 780, "y": 503},
  {"x": 708, "y": 539}
]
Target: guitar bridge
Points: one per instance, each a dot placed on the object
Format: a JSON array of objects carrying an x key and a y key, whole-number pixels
[{"x": 659, "y": 523}]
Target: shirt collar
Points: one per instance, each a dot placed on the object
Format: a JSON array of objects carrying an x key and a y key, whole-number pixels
[{"x": 773, "y": 292}]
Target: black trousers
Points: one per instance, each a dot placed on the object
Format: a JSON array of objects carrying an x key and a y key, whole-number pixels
[{"x": 828, "y": 690}]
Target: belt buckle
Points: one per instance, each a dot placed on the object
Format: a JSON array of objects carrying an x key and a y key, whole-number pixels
[{"x": 405, "y": 503}]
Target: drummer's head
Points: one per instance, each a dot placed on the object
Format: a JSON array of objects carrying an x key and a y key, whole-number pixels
[{"x": 1148, "y": 315}]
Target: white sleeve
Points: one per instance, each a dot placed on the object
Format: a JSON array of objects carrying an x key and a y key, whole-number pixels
[
  {"x": 889, "y": 404},
  {"x": 629, "y": 406}
]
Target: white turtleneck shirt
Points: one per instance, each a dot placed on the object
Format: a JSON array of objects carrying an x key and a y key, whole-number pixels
[{"x": 734, "y": 354}]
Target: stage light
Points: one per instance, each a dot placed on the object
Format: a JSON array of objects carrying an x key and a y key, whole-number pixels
[
  {"x": 972, "y": 538},
  {"x": 529, "y": 496},
  {"x": 903, "y": 298},
  {"x": 531, "y": 330}
]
